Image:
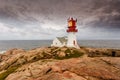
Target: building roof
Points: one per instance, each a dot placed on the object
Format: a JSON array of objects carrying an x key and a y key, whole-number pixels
[{"x": 62, "y": 39}]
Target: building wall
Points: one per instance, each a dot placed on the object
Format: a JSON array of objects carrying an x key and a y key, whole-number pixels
[
  {"x": 57, "y": 43},
  {"x": 72, "y": 42}
]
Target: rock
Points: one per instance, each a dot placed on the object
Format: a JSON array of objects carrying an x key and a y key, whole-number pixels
[
  {"x": 61, "y": 54},
  {"x": 69, "y": 69},
  {"x": 14, "y": 51},
  {"x": 3, "y": 57},
  {"x": 64, "y": 49},
  {"x": 40, "y": 64},
  {"x": 72, "y": 76}
]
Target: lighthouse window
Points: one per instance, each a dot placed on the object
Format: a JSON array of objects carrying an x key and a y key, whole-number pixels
[{"x": 70, "y": 24}]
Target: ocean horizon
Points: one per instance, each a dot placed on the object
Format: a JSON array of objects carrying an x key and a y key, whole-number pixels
[{"x": 31, "y": 44}]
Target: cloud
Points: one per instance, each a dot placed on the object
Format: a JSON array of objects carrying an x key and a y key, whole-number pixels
[{"x": 46, "y": 19}]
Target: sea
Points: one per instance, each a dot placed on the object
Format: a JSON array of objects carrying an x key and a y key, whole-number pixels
[{"x": 31, "y": 44}]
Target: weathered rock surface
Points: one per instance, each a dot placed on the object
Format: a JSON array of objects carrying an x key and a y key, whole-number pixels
[
  {"x": 69, "y": 69},
  {"x": 99, "y": 52},
  {"x": 51, "y": 63},
  {"x": 14, "y": 51}
]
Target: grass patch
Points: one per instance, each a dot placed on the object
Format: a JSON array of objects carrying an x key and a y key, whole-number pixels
[
  {"x": 68, "y": 51},
  {"x": 7, "y": 72},
  {"x": 73, "y": 54}
]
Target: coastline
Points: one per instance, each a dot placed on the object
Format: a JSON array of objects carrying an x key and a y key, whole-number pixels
[{"x": 81, "y": 47}]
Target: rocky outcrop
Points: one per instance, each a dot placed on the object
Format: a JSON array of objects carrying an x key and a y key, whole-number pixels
[
  {"x": 14, "y": 51},
  {"x": 3, "y": 57},
  {"x": 102, "y": 52},
  {"x": 21, "y": 57},
  {"x": 52, "y": 63},
  {"x": 69, "y": 69}
]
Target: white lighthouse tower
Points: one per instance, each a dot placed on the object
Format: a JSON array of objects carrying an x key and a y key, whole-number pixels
[{"x": 72, "y": 41}]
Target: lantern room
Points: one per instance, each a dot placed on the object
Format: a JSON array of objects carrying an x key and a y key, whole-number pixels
[{"x": 72, "y": 25}]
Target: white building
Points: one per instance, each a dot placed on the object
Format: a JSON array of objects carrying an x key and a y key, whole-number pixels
[
  {"x": 72, "y": 41},
  {"x": 59, "y": 42}
]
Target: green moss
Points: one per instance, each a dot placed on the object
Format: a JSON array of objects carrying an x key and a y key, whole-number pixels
[
  {"x": 68, "y": 51},
  {"x": 73, "y": 54},
  {"x": 7, "y": 72},
  {"x": 77, "y": 53}
]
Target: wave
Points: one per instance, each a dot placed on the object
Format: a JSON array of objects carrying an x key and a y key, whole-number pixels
[{"x": 1, "y": 52}]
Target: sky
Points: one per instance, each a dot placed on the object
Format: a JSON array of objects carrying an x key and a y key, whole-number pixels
[{"x": 47, "y": 19}]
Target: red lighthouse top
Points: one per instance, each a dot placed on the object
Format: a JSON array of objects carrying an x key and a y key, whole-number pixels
[{"x": 72, "y": 25}]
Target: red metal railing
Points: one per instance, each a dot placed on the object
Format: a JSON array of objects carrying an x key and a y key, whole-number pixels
[{"x": 72, "y": 30}]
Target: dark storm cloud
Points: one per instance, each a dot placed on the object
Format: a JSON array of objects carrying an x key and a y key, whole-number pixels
[
  {"x": 106, "y": 12},
  {"x": 50, "y": 16}
]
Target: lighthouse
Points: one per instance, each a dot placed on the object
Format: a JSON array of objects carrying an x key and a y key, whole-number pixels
[
  {"x": 69, "y": 41},
  {"x": 71, "y": 30}
]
